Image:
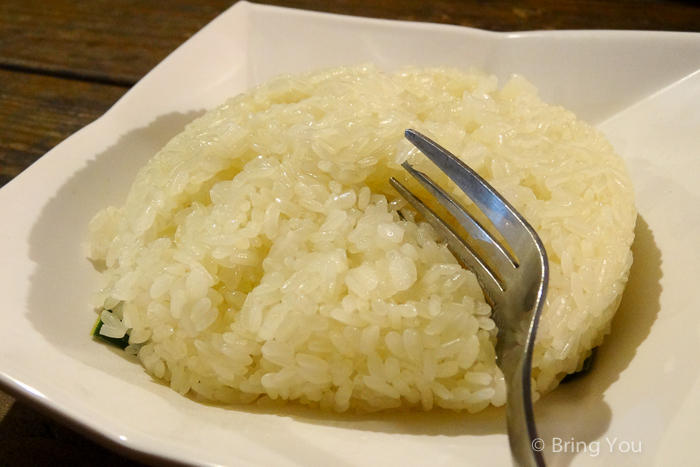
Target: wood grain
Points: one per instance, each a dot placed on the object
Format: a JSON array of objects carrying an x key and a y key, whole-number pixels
[
  {"x": 65, "y": 62},
  {"x": 523, "y": 15},
  {"x": 28, "y": 438},
  {"x": 118, "y": 41},
  {"x": 38, "y": 112}
]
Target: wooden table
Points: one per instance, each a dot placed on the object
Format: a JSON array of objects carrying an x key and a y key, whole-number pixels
[{"x": 63, "y": 63}]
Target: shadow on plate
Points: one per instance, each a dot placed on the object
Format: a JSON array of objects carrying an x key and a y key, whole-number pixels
[
  {"x": 577, "y": 410},
  {"x": 58, "y": 302}
]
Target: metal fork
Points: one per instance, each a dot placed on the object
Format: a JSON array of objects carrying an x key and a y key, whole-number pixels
[{"x": 515, "y": 284}]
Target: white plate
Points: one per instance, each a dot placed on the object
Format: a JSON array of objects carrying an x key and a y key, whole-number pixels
[{"x": 641, "y": 88}]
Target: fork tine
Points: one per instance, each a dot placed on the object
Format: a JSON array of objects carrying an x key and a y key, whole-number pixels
[
  {"x": 488, "y": 280},
  {"x": 489, "y": 201},
  {"x": 517, "y": 308},
  {"x": 491, "y": 247}
]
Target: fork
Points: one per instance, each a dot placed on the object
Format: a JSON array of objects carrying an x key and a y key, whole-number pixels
[{"x": 514, "y": 280}]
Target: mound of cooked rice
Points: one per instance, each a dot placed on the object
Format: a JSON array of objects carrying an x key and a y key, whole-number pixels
[{"x": 261, "y": 254}]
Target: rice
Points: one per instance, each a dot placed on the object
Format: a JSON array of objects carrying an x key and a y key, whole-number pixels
[{"x": 262, "y": 255}]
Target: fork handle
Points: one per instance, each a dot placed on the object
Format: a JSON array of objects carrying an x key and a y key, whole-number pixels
[{"x": 525, "y": 446}]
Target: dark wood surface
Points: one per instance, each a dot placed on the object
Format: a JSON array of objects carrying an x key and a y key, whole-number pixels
[{"x": 65, "y": 62}]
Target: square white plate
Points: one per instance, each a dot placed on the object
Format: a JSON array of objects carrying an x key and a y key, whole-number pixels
[{"x": 641, "y": 88}]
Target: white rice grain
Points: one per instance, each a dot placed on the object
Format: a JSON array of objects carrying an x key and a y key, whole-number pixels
[{"x": 262, "y": 255}]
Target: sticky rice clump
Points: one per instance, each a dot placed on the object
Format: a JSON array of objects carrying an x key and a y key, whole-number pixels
[{"x": 262, "y": 254}]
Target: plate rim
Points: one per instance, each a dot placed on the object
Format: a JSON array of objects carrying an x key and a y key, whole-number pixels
[{"x": 157, "y": 454}]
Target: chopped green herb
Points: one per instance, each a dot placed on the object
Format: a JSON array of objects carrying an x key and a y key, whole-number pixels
[{"x": 121, "y": 342}]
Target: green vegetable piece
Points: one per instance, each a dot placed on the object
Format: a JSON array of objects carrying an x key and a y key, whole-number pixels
[{"x": 121, "y": 342}]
